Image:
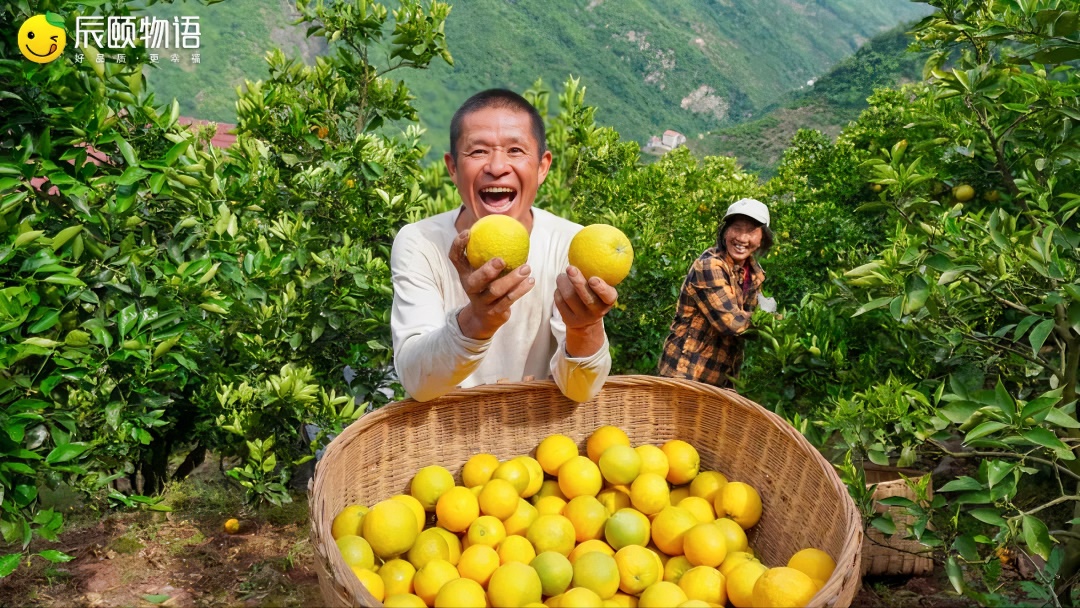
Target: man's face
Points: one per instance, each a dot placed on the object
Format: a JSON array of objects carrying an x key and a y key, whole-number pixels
[{"x": 498, "y": 166}]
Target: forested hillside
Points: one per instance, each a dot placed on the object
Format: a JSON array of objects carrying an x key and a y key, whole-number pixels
[{"x": 688, "y": 65}]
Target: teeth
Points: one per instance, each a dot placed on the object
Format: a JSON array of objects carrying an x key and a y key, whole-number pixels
[{"x": 493, "y": 190}]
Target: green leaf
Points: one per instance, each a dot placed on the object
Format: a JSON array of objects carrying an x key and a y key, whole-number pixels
[
  {"x": 884, "y": 525},
  {"x": 8, "y": 563},
  {"x": 964, "y": 483},
  {"x": 917, "y": 293},
  {"x": 1037, "y": 536},
  {"x": 989, "y": 516},
  {"x": 984, "y": 429},
  {"x": 956, "y": 575},
  {"x": 958, "y": 412},
  {"x": 127, "y": 151},
  {"x": 45, "y": 322},
  {"x": 1039, "y": 334},
  {"x": 156, "y": 599},
  {"x": 1024, "y": 325},
  {"x": 996, "y": 470},
  {"x": 1062, "y": 419},
  {"x": 1048, "y": 439},
  {"x": 126, "y": 319},
  {"x": 872, "y": 305},
  {"x": 55, "y": 556},
  {"x": 965, "y": 546},
  {"x": 66, "y": 452}
]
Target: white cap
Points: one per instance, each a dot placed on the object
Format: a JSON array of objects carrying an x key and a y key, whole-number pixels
[{"x": 751, "y": 208}]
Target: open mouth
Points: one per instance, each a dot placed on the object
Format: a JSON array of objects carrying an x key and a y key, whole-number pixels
[{"x": 498, "y": 199}]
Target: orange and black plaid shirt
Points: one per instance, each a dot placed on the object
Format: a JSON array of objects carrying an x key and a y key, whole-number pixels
[{"x": 714, "y": 309}]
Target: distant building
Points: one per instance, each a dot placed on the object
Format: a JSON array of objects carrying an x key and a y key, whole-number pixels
[
  {"x": 664, "y": 144},
  {"x": 673, "y": 139}
]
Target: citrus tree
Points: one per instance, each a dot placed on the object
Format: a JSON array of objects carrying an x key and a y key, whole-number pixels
[
  {"x": 162, "y": 297},
  {"x": 983, "y": 265}
]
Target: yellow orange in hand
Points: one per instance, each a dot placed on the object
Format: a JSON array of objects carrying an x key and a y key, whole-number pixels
[{"x": 602, "y": 250}]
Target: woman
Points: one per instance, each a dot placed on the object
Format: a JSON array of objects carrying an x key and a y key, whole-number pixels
[{"x": 718, "y": 297}]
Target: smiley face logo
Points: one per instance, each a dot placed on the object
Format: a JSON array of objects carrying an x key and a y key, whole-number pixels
[{"x": 42, "y": 37}]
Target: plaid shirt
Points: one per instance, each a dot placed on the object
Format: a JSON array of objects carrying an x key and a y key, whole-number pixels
[{"x": 713, "y": 311}]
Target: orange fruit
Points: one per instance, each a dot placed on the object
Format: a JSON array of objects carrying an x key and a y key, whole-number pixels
[
  {"x": 486, "y": 530},
  {"x": 783, "y": 588},
  {"x": 627, "y": 527},
  {"x": 552, "y": 533},
  {"x": 707, "y": 485},
  {"x": 734, "y": 560},
  {"x": 554, "y": 451},
  {"x": 602, "y": 250},
  {"x": 705, "y": 545},
  {"x": 679, "y": 494},
  {"x": 478, "y": 469},
  {"x": 649, "y": 493},
  {"x": 521, "y": 519},
  {"x": 428, "y": 485},
  {"x": 498, "y": 498},
  {"x": 514, "y": 584},
  {"x": 453, "y": 542},
  {"x": 676, "y": 567},
  {"x": 415, "y": 506},
  {"x": 580, "y": 476},
  {"x": 614, "y": 498},
  {"x": 579, "y": 597},
  {"x": 390, "y": 527},
  {"x": 638, "y": 568},
  {"x": 550, "y": 505},
  {"x": 516, "y": 548},
  {"x": 683, "y": 461},
  {"x": 588, "y": 516},
  {"x": 555, "y": 571},
  {"x": 515, "y": 472},
  {"x": 739, "y": 501},
  {"x": 705, "y": 584},
  {"x": 662, "y": 595},
  {"x": 588, "y": 547},
  {"x": 734, "y": 535},
  {"x": 430, "y": 579},
  {"x": 397, "y": 575},
  {"x": 457, "y": 508},
  {"x": 497, "y": 236},
  {"x": 461, "y": 593},
  {"x": 478, "y": 562},
  {"x": 550, "y": 487},
  {"x": 603, "y": 438},
  {"x": 346, "y": 522},
  {"x": 429, "y": 545},
  {"x": 403, "y": 600},
  {"x": 597, "y": 571},
  {"x": 620, "y": 464},
  {"x": 814, "y": 563},
  {"x": 356, "y": 552},
  {"x": 701, "y": 508},
  {"x": 653, "y": 460},
  {"x": 371, "y": 582},
  {"x": 740, "y": 583},
  {"x": 669, "y": 528},
  {"x": 536, "y": 475}
]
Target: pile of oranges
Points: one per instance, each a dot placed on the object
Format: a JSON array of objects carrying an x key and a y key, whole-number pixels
[{"x": 617, "y": 526}]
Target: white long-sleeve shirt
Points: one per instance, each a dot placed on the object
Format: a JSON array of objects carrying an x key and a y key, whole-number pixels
[{"x": 432, "y": 356}]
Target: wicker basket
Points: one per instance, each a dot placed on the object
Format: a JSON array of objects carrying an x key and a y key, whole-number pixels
[
  {"x": 892, "y": 555},
  {"x": 805, "y": 502}
]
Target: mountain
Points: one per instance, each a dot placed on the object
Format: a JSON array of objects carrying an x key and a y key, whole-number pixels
[
  {"x": 688, "y": 65},
  {"x": 829, "y": 104}
]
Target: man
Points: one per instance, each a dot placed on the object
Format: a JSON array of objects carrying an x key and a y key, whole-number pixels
[{"x": 456, "y": 326}]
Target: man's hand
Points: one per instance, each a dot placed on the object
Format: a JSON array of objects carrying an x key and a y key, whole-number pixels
[
  {"x": 583, "y": 305},
  {"x": 490, "y": 295}
]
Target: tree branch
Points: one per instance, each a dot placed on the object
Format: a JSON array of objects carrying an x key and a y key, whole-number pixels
[{"x": 978, "y": 454}]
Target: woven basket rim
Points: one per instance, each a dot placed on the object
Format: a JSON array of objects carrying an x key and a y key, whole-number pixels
[{"x": 846, "y": 576}]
